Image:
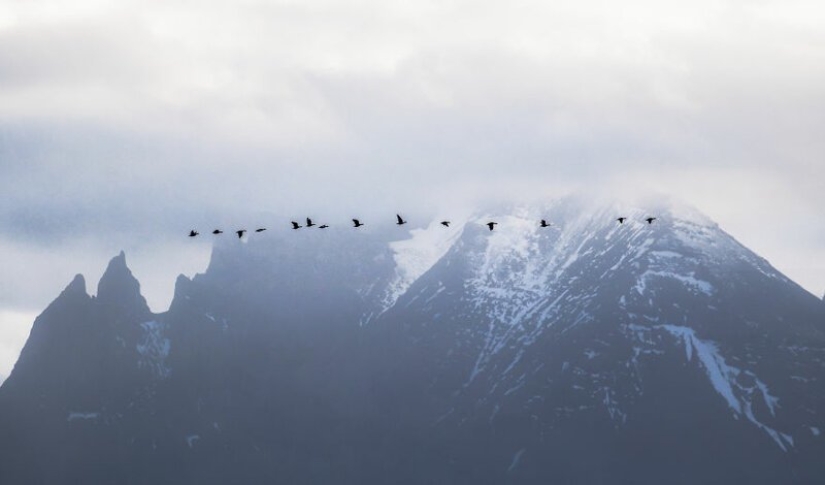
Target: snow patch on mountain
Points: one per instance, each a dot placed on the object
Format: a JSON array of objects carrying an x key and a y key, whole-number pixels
[
  {"x": 82, "y": 416},
  {"x": 688, "y": 280},
  {"x": 516, "y": 459},
  {"x": 522, "y": 278},
  {"x": 153, "y": 349},
  {"x": 515, "y": 240},
  {"x": 416, "y": 255},
  {"x": 609, "y": 401},
  {"x": 727, "y": 380}
]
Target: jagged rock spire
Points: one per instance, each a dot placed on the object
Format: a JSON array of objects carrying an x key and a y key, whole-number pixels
[
  {"x": 78, "y": 285},
  {"x": 118, "y": 288}
]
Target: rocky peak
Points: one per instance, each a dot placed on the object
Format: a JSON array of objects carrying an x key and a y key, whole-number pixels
[
  {"x": 119, "y": 289},
  {"x": 77, "y": 286},
  {"x": 72, "y": 296}
]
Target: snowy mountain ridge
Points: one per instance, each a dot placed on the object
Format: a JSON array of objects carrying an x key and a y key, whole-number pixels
[
  {"x": 515, "y": 243},
  {"x": 530, "y": 284}
]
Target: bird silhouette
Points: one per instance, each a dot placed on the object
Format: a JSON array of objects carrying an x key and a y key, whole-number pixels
[
  {"x": 492, "y": 225},
  {"x": 400, "y": 220},
  {"x": 650, "y": 220},
  {"x": 260, "y": 229},
  {"x": 545, "y": 224},
  {"x": 217, "y": 231},
  {"x": 309, "y": 222},
  {"x": 323, "y": 226},
  {"x": 193, "y": 233},
  {"x": 240, "y": 233},
  {"x": 445, "y": 223},
  {"x": 357, "y": 223},
  {"x": 621, "y": 220},
  {"x": 295, "y": 225}
]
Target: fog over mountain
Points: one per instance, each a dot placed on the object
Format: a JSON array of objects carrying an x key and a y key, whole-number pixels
[
  {"x": 124, "y": 124},
  {"x": 585, "y": 352}
]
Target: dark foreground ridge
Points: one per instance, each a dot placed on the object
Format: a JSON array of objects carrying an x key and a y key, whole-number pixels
[{"x": 603, "y": 353}]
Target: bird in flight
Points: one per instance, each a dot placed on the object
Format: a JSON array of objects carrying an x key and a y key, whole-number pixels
[
  {"x": 217, "y": 231},
  {"x": 357, "y": 223},
  {"x": 621, "y": 220},
  {"x": 400, "y": 220},
  {"x": 650, "y": 220},
  {"x": 323, "y": 226},
  {"x": 240, "y": 233},
  {"x": 545, "y": 224},
  {"x": 492, "y": 225},
  {"x": 295, "y": 225},
  {"x": 193, "y": 233},
  {"x": 260, "y": 229},
  {"x": 309, "y": 222},
  {"x": 445, "y": 223}
]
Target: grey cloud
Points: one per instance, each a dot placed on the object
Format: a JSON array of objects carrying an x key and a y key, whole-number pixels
[
  {"x": 133, "y": 123},
  {"x": 73, "y": 54}
]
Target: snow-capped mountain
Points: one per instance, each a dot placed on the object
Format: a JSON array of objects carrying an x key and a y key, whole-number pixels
[{"x": 585, "y": 352}]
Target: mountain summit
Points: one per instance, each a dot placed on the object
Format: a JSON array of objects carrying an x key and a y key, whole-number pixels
[
  {"x": 119, "y": 290},
  {"x": 584, "y": 352}
]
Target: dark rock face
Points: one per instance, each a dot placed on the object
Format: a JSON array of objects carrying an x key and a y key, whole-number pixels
[
  {"x": 586, "y": 353},
  {"x": 81, "y": 364},
  {"x": 119, "y": 291}
]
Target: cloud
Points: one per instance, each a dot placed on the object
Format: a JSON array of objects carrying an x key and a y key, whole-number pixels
[
  {"x": 14, "y": 329},
  {"x": 124, "y": 124}
]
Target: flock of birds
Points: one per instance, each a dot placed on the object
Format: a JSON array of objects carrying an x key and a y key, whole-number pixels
[{"x": 399, "y": 222}]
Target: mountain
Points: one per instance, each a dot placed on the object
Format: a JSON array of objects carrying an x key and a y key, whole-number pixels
[{"x": 585, "y": 352}]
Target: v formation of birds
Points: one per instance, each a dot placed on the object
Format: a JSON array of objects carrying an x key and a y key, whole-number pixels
[{"x": 400, "y": 221}]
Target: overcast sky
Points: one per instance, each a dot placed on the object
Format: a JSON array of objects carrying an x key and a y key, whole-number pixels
[{"x": 125, "y": 123}]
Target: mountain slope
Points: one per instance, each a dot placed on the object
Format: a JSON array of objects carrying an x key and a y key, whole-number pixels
[{"x": 661, "y": 330}]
